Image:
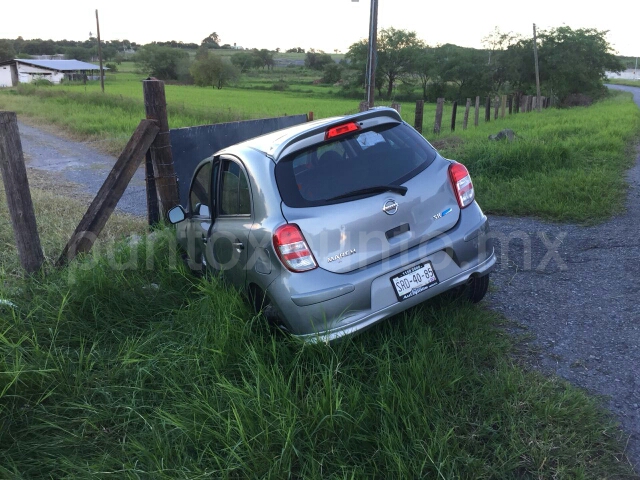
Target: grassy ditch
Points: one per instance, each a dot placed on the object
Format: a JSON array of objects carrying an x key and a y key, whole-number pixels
[
  {"x": 565, "y": 165},
  {"x": 58, "y": 207},
  {"x": 124, "y": 365},
  {"x": 623, "y": 81}
]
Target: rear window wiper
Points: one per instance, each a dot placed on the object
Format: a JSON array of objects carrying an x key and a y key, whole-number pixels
[{"x": 370, "y": 190}]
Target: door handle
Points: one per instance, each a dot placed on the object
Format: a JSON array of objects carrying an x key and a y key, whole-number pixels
[{"x": 238, "y": 244}]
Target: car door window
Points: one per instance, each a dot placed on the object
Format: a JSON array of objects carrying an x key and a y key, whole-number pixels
[
  {"x": 200, "y": 194},
  {"x": 235, "y": 197}
]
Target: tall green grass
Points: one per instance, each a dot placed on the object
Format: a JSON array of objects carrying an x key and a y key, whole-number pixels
[
  {"x": 147, "y": 372},
  {"x": 565, "y": 165}
]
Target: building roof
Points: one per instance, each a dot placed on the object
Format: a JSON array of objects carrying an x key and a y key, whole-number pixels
[{"x": 60, "y": 65}]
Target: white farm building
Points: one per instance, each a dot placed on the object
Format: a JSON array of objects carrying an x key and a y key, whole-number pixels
[{"x": 22, "y": 70}]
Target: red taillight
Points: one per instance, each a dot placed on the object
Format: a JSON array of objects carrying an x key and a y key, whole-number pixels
[
  {"x": 341, "y": 130},
  {"x": 462, "y": 185},
  {"x": 292, "y": 248}
]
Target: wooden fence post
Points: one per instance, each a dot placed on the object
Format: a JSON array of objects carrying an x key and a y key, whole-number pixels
[
  {"x": 165, "y": 176},
  {"x": 153, "y": 209},
  {"x": 110, "y": 193},
  {"x": 310, "y": 117},
  {"x": 363, "y": 106},
  {"x": 487, "y": 110},
  {"x": 417, "y": 124},
  {"x": 477, "y": 112},
  {"x": 496, "y": 107},
  {"x": 530, "y": 103},
  {"x": 397, "y": 107},
  {"x": 438, "y": 122},
  {"x": 453, "y": 116},
  {"x": 510, "y": 103},
  {"x": 534, "y": 103},
  {"x": 16, "y": 187},
  {"x": 503, "y": 105},
  {"x": 466, "y": 114}
]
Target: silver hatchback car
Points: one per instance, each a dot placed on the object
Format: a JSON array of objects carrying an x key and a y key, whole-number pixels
[{"x": 334, "y": 225}]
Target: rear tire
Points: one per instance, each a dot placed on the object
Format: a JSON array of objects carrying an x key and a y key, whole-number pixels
[
  {"x": 476, "y": 288},
  {"x": 261, "y": 303}
]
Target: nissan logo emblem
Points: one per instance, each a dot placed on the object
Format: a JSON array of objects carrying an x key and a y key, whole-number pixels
[{"x": 390, "y": 207}]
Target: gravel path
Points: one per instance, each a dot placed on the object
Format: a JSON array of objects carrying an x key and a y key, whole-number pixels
[
  {"x": 577, "y": 290},
  {"x": 81, "y": 164}
]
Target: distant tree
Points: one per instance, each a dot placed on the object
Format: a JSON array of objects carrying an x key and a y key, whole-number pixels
[
  {"x": 211, "y": 70},
  {"x": 202, "y": 52},
  {"x": 78, "y": 53},
  {"x": 296, "y": 50},
  {"x": 6, "y": 51},
  {"x": 571, "y": 61},
  {"x": 317, "y": 60},
  {"x": 425, "y": 67},
  {"x": 332, "y": 73},
  {"x": 244, "y": 61},
  {"x": 397, "y": 51},
  {"x": 161, "y": 62},
  {"x": 264, "y": 58},
  {"x": 357, "y": 58},
  {"x": 212, "y": 40},
  {"x": 464, "y": 67}
]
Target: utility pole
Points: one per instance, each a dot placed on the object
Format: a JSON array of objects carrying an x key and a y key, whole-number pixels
[
  {"x": 535, "y": 56},
  {"x": 370, "y": 80},
  {"x": 100, "y": 53},
  {"x": 372, "y": 57}
]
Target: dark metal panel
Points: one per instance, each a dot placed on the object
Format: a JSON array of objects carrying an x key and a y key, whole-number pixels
[{"x": 193, "y": 144}]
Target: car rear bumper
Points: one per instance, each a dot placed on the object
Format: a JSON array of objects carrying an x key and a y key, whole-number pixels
[{"x": 322, "y": 306}]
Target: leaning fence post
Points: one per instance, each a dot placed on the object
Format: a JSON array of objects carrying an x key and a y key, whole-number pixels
[
  {"x": 496, "y": 107},
  {"x": 16, "y": 187},
  {"x": 310, "y": 117},
  {"x": 397, "y": 107},
  {"x": 477, "y": 112},
  {"x": 363, "y": 106},
  {"x": 105, "y": 201},
  {"x": 165, "y": 176},
  {"x": 417, "y": 124},
  {"x": 466, "y": 114},
  {"x": 503, "y": 105},
  {"x": 453, "y": 116},
  {"x": 510, "y": 103},
  {"x": 438, "y": 122}
]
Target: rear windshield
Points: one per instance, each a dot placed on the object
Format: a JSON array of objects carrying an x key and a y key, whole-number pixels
[{"x": 384, "y": 155}]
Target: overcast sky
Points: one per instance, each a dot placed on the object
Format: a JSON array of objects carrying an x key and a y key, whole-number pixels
[{"x": 326, "y": 25}]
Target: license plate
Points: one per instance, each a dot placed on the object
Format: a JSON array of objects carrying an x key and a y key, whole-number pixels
[{"x": 414, "y": 280}]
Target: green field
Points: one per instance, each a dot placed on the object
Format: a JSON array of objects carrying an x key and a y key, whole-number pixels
[{"x": 566, "y": 164}]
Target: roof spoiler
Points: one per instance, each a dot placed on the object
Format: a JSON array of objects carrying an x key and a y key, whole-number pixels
[{"x": 357, "y": 117}]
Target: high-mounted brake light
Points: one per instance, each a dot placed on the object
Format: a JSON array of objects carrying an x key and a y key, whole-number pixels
[
  {"x": 292, "y": 248},
  {"x": 341, "y": 130},
  {"x": 461, "y": 183}
]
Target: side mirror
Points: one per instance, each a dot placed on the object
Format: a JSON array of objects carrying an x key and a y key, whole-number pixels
[{"x": 176, "y": 215}]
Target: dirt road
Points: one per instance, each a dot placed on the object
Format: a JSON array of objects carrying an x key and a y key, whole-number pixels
[
  {"x": 577, "y": 290},
  {"x": 79, "y": 163}
]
